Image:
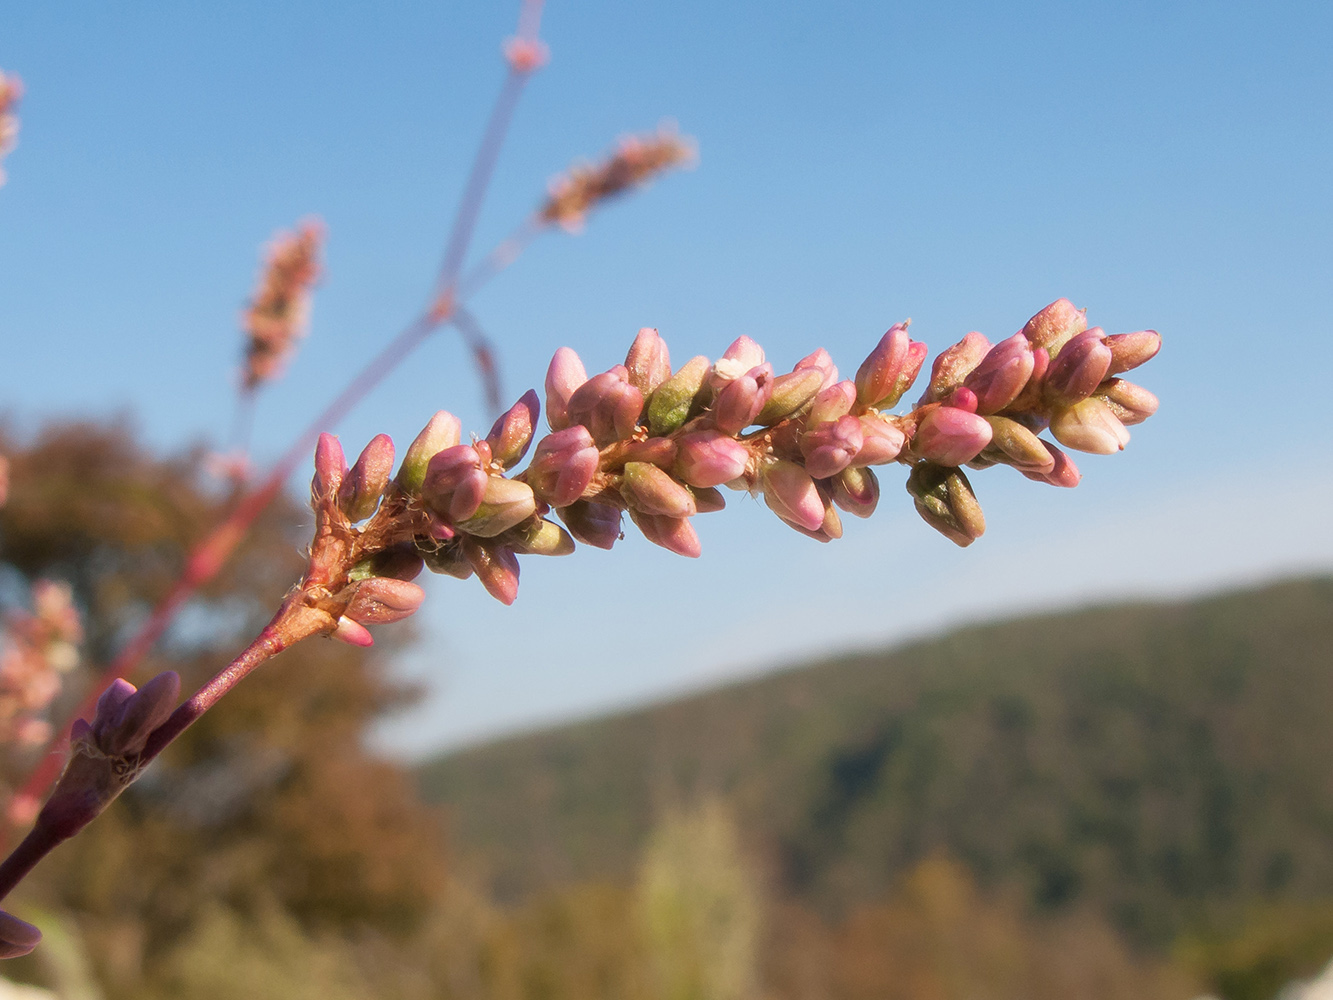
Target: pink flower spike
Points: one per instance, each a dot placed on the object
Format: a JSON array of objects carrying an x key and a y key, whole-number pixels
[
  {"x": 563, "y": 465},
  {"x": 512, "y": 433},
  {"x": 710, "y": 458},
  {"x": 791, "y": 494},
  {"x": 1078, "y": 369},
  {"x": 1129, "y": 350},
  {"x": 565, "y": 374},
  {"x": 381, "y": 600},
  {"x": 830, "y": 447},
  {"x": 950, "y": 437},
  {"x": 525, "y": 55},
  {"x": 821, "y": 362},
  {"x": 444, "y": 431},
  {"x": 352, "y": 633},
  {"x": 648, "y": 361},
  {"x": 675, "y": 534},
  {"x": 1002, "y": 374},
  {"x": 330, "y": 467},
  {"x": 739, "y": 401},
  {"x": 882, "y": 441},
  {"x": 363, "y": 486}
]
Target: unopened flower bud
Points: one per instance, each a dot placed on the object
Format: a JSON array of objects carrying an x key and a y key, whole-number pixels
[
  {"x": 1063, "y": 472},
  {"x": 1078, "y": 369},
  {"x": 708, "y": 499},
  {"x": 505, "y": 503},
  {"x": 447, "y": 559},
  {"x": 1051, "y": 328},
  {"x": 125, "y": 717},
  {"x": 962, "y": 398},
  {"x": 1132, "y": 404},
  {"x": 890, "y": 369},
  {"x": 563, "y": 465},
  {"x": 398, "y": 562},
  {"x": 1129, "y": 350},
  {"x": 17, "y": 937},
  {"x": 608, "y": 406},
  {"x": 443, "y": 431},
  {"x": 539, "y": 537},
  {"x": 945, "y": 500},
  {"x": 953, "y": 365},
  {"x": 743, "y": 355},
  {"x": 950, "y": 437},
  {"x": 379, "y": 601},
  {"x": 856, "y": 491},
  {"x": 1089, "y": 425},
  {"x": 821, "y": 362},
  {"x": 496, "y": 567},
  {"x": 648, "y": 489},
  {"x": 674, "y": 534},
  {"x": 1002, "y": 374},
  {"x": 791, "y": 494},
  {"x": 739, "y": 402},
  {"x": 1018, "y": 446},
  {"x": 710, "y": 458},
  {"x": 565, "y": 374},
  {"x": 832, "y": 402},
  {"x": 789, "y": 394},
  {"x": 363, "y": 486},
  {"x": 830, "y": 447},
  {"x": 595, "y": 524},
  {"x": 455, "y": 483},
  {"x": 512, "y": 433},
  {"x": 648, "y": 362},
  {"x": 881, "y": 441},
  {"x": 330, "y": 467},
  {"x": 674, "y": 401}
]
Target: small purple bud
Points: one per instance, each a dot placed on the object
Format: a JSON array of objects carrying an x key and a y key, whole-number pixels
[
  {"x": 1129, "y": 350},
  {"x": 539, "y": 537},
  {"x": 443, "y": 431},
  {"x": 856, "y": 491},
  {"x": 17, "y": 937},
  {"x": 1132, "y": 404},
  {"x": 512, "y": 433},
  {"x": 496, "y": 567},
  {"x": 1064, "y": 472},
  {"x": 506, "y": 503},
  {"x": 739, "y": 402},
  {"x": 675, "y": 534},
  {"x": 789, "y": 395},
  {"x": 710, "y": 458},
  {"x": 821, "y": 362},
  {"x": 950, "y": 437},
  {"x": 1002, "y": 374},
  {"x": 1078, "y": 369},
  {"x": 1054, "y": 325},
  {"x": 953, "y": 365},
  {"x": 563, "y": 465},
  {"x": 832, "y": 402},
  {"x": 608, "y": 406},
  {"x": 330, "y": 467},
  {"x": 363, "y": 486},
  {"x": 379, "y": 601},
  {"x": 126, "y": 730},
  {"x": 649, "y": 490},
  {"x": 565, "y": 374},
  {"x": 831, "y": 447},
  {"x": 1090, "y": 426},
  {"x": 447, "y": 559},
  {"x": 648, "y": 361},
  {"x": 708, "y": 499},
  {"x": 109, "y": 705},
  {"x": 945, "y": 501},
  {"x": 595, "y": 524},
  {"x": 791, "y": 494},
  {"x": 678, "y": 398},
  {"x": 882, "y": 441},
  {"x": 890, "y": 369},
  {"x": 454, "y": 483}
]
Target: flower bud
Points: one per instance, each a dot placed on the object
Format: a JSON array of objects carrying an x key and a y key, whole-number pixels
[
  {"x": 790, "y": 393},
  {"x": 398, "y": 562},
  {"x": 1131, "y": 404},
  {"x": 608, "y": 406},
  {"x": 443, "y": 431},
  {"x": 648, "y": 489},
  {"x": 1078, "y": 369},
  {"x": 832, "y": 402},
  {"x": 455, "y": 483},
  {"x": 505, "y": 503},
  {"x": 962, "y": 398},
  {"x": 945, "y": 501},
  {"x": 330, "y": 467},
  {"x": 565, "y": 374},
  {"x": 1018, "y": 446},
  {"x": 675, "y": 534},
  {"x": 539, "y": 537},
  {"x": 563, "y": 465},
  {"x": 17, "y": 937},
  {"x": 953, "y": 365},
  {"x": 821, "y": 362},
  {"x": 512, "y": 433},
  {"x": 1002, "y": 374},
  {"x": 677, "y": 398},
  {"x": 362, "y": 488},
  {"x": 743, "y": 355},
  {"x": 710, "y": 458},
  {"x": 125, "y": 717},
  {"x": 648, "y": 361},
  {"x": 890, "y": 369},
  {"x": 353, "y": 633},
  {"x": 856, "y": 491},
  {"x": 596, "y": 524},
  {"x": 830, "y": 447},
  {"x": 1064, "y": 472},
  {"x": 379, "y": 601},
  {"x": 791, "y": 494},
  {"x": 1090, "y": 426},
  {"x": 1051, "y": 328},
  {"x": 739, "y": 402},
  {"x": 708, "y": 499},
  {"x": 950, "y": 437},
  {"x": 496, "y": 567},
  {"x": 446, "y": 559},
  {"x": 1129, "y": 350},
  {"x": 881, "y": 441}
]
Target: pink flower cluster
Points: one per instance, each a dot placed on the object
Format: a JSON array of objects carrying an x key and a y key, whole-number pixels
[
  {"x": 39, "y": 646},
  {"x": 655, "y": 443},
  {"x": 276, "y": 318},
  {"x": 11, "y": 89}
]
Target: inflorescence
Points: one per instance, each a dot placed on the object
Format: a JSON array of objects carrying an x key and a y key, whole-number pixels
[
  {"x": 11, "y": 89},
  {"x": 277, "y": 316}
]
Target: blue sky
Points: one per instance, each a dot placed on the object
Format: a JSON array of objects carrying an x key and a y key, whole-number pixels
[{"x": 1164, "y": 164}]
